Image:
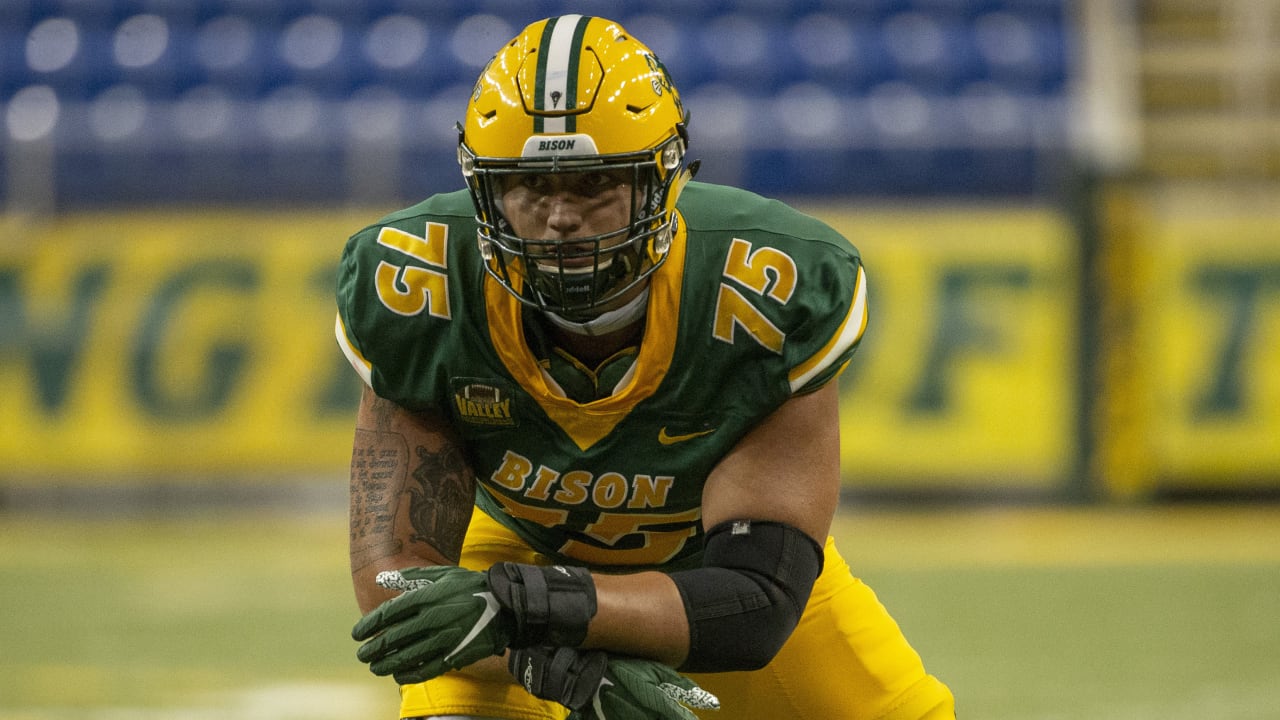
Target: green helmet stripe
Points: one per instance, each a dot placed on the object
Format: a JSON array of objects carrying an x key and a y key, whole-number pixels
[
  {"x": 540, "y": 80},
  {"x": 556, "y": 85},
  {"x": 575, "y": 55}
]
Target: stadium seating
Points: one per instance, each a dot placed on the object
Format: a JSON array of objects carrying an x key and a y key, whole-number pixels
[{"x": 829, "y": 97}]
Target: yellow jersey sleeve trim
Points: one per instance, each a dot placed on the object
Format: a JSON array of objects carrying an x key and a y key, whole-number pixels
[
  {"x": 362, "y": 367},
  {"x": 855, "y": 322}
]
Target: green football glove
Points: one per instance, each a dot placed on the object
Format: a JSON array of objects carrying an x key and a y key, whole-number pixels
[
  {"x": 596, "y": 685},
  {"x": 448, "y": 617},
  {"x": 445, "y": 619}
]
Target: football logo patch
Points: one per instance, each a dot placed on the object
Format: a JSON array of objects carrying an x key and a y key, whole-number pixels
[{"x": 483, "y": 403}]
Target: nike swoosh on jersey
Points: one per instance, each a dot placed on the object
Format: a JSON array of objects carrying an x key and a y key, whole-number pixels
[
  {"x": 666, "y": 439},
  {"x": 490, "y": 612}
]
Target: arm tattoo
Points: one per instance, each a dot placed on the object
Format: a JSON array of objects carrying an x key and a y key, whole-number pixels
[
  {"x": 440, "y": 505},
  {"x": 378, "y": 465},
  {"x": 440, "y": 496}
]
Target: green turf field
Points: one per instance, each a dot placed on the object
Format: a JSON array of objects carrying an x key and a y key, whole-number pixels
[{"x": 1034, "y": 614}]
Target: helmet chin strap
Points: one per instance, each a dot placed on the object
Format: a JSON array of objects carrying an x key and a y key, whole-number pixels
[{"x": 606, "y": 322}]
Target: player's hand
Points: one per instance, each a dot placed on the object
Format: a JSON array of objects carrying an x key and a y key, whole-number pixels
[
  {"x": 596, "y": 685},
  {"x": 635, "y": 689},
  {"x": 446, "y": 618}
]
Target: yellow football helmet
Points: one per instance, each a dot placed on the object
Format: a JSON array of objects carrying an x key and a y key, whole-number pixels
[{"x": 569, "y": 94}]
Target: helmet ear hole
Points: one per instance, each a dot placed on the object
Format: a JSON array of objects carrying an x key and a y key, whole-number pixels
[
  {"x": 662, "y": 241},
  {"x": 671, "y": 156},
  {"x": 466, "y": 162}
]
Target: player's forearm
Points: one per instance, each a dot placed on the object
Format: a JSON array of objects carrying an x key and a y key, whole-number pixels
[
  {"x": 382, "y": 535},
  {"x": 369, "y": 594},
  {"x": 396, "y": 548},
  {"x": 410, "y": 496},
  {"x": 641, "y": 615}
]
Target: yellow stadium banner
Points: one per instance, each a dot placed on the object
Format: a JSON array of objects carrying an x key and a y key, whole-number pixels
[
  {"x": 168, "y": 344},
  {"x": 1209, "y": 334},
  {"x": 968, "y": 375},
  {"x": 201, "y": 344}
]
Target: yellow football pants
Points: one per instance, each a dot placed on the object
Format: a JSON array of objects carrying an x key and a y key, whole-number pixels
[{"x": 847, "y": 660}]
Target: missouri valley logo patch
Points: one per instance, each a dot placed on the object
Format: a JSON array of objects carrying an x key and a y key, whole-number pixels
[{"x": 481, "y": 402}]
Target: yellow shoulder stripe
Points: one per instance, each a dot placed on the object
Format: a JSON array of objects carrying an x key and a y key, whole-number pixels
[
  {"x": 855, "y": 323},
  {"x": 363, "y": 367}
]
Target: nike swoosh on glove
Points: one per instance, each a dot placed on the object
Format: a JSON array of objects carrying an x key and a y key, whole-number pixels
[
  {"x": 446, "y": 619},
  {"x": 597, "y": 685}
]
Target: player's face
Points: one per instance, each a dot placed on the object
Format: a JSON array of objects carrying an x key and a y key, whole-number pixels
[{"x": 564, "y": 206}]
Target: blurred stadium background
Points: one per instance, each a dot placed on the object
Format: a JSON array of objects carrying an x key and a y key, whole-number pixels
[{"x": 1062, "y": 435}]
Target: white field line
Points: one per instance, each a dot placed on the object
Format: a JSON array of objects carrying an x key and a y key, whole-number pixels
[{"x": 295, "y": 701}]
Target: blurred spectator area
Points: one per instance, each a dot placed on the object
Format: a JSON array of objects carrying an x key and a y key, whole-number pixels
[
  {"x": 1209, "y": 79},
  {"x": 111, "y": 102}
]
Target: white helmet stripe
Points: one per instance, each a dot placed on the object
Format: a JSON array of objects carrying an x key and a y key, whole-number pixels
[{"x": 560, "y": 53}]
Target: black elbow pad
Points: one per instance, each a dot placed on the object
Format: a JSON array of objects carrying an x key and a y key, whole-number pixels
[{"x": 747, "y": 598}]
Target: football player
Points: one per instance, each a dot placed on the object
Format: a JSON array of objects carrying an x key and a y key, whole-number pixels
[{"x": 596, "y": 461}]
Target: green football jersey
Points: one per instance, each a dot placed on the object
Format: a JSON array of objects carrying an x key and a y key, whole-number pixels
[{"x": 755, "y": 303}]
